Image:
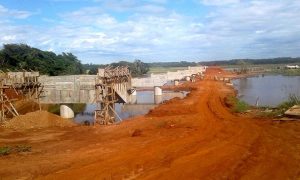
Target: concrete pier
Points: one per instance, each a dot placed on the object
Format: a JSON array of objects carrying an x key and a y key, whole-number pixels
[
  {"x": 66, "y": 112},
  {"x": 158, "y": 99},
  {"x": 157, "y": 91}
]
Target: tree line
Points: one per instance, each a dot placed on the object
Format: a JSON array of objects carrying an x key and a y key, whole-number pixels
[
  {"x": 279, "y": 60},
  {"x": 18, "y": 57}
]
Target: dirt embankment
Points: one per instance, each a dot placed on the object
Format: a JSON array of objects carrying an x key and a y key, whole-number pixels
[
  {"x": 193, "y": 138},
  {"x": 37, "y": 119}
]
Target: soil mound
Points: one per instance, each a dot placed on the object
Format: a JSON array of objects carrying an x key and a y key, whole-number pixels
[{"x": 37, "y": 119}]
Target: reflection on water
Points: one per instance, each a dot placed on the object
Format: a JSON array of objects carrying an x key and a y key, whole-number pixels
[
  {"x": 145, "y": 101},
  {"x": 270, "y": 90}
]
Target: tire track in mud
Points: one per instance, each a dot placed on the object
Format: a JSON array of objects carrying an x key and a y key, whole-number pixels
[{"x": 194, "y": 138}]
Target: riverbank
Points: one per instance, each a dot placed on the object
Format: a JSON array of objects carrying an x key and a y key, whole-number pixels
[{"x": 197, "y": 137}]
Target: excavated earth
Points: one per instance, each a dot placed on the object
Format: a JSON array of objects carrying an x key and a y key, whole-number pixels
[{"x": 197, "y": 137}]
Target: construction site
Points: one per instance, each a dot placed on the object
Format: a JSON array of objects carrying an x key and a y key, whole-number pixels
[{"x": 197, "y": 137}]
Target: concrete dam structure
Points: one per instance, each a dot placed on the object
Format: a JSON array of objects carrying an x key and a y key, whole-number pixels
[
  {"x": 81, "y": 88},
  {"x": 68, "y": 89},
  {"x": 164, "y": 78}
]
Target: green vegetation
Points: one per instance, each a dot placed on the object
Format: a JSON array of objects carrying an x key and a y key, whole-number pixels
[
  {"x": 237, "y": 105},
  {"x": 55, "y": 108},
  {"x": 172, "y": 64},
  {"x": 6, "y": 150},
  {"x": 287, "y": 72},
  {"x": 293, "y": 100},
  {"x": 281, "y": 108},
  {"x": 22, "y": 56},
  {"x": 164, "y": 69},
  {"x": 16, "y": 57},
  {"x": 281, "y": 60},
  {"x": 137, "y": 67}
]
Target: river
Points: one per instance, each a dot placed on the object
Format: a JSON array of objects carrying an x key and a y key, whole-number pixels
[
  {"x": 269, "y": 90},
  {"x": 145, "y": 101}
]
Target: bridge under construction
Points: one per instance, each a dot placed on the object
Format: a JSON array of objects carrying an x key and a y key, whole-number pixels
[{"x": 111, "y": 85}]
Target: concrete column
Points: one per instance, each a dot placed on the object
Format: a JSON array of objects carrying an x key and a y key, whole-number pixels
[
  {"x": 66, "y": 112},
  {"x": 133, "y": 98},
  {"x": 157, "y": 91},
  {"x": 176, "y": 82},
  {"x": 134, "y": 93},
  {"x": 157, "y": 99},
  {"x": 157, "y": 95}
]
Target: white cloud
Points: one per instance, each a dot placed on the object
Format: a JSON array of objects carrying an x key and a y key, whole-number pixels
[
  {"x": 219, "y": 2},
  {"x": 12, "y": 13},
  {"x": 245, "y": 29}
]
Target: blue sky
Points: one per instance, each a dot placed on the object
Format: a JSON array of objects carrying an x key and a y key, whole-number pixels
[{"x": 104, "y": 31}]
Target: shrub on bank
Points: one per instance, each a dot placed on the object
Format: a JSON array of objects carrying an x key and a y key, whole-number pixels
[{"x": 236, "y": 104}]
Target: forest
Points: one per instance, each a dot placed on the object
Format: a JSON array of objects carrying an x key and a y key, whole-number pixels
[{"x": 18, "y": 57}]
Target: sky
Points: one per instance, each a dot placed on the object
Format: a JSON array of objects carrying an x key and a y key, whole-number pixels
[{"x": 104, "y": 31}]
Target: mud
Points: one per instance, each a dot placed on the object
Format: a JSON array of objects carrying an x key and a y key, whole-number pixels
[{"x": 193, "y": 138}]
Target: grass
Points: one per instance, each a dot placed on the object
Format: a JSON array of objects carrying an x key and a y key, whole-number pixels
[
  {"x": 156, "y": 70},
  {"x": 287, "y": 72},
  {"x": 281, "y": 108},
  {"x": 6, "y": 150},
  {"x": 293, "y": 100},
  {"x": 270, "y": 68},
  {"x": 76, "y": 107},
  {"x": 238, "y": 105}
]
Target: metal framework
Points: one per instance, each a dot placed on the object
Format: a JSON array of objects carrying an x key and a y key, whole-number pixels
[
  {"x": 24, "y": 85},
  {"x": 109, "y": 87}
]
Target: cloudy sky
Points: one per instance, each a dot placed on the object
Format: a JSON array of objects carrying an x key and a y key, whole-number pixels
[{"x": 102, "y": 31}]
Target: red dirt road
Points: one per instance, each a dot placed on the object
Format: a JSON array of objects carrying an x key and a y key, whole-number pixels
[{"x": 194, "y": 138}]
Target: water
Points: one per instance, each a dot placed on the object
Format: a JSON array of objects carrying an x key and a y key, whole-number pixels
[
  {"x": 270, "y": 90},
  {"x": 145, "y": 101}
]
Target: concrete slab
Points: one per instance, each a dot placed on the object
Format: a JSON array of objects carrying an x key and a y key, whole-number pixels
[{"x": 293, "y": 111}]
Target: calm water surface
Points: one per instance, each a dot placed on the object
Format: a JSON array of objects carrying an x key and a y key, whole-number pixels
[
  {"x": 270, "y": 90},
  {"x": 145, "y": 101}
]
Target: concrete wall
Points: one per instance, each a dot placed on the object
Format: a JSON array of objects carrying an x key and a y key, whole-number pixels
[
  {"x": 161, "y": 79},
  {"x": 68, "y": 89},
  {"x": 81, "y": 88}
]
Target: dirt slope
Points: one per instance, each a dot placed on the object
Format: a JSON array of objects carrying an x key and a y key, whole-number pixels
[
  {"x": 194, "y": 138},
  {"x": 37, "y": 119}
]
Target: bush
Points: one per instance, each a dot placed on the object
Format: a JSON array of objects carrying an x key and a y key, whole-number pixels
[
  {"x": 236, "y": 104},
  {"x": 241, "y": 106},
  {"x": 5, "y": 151},
  {"x": 293, "y": 100}
]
